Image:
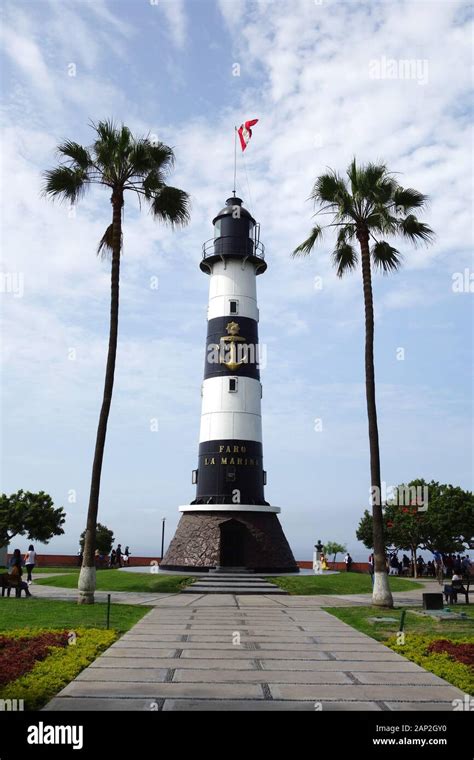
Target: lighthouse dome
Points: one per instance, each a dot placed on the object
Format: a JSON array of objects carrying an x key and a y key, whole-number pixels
[
  {"x": 233, "y": 207},
  {"x": 236, "y": 236}
]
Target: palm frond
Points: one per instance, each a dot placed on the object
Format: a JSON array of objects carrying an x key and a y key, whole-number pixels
[
  {"x": 305, "y": 248},
  {"x": 329, "y": 188},
  {"x": 106, "y": 130},
  {"x": 385, "y": 257},
  {"x": 381, "y": 220},
  {"x": 344, "y": 258},
  {"x": 79, "y": 155},
  {"x": 65, "y": 183},
  {"x": 105, "y": 247},
  {"x": 139, "y": 159},
  {"x": 416, "y": 231},
  {"x": 152, "y": 183},
  {"x": 406, "y": 199},
  {"x": 171, "y": 206},
  {"x": 162, "y": 156}
]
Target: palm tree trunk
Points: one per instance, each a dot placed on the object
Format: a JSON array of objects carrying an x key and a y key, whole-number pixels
[
  {"x": 381, "y": 595},
  {"x": 87, "y": 576}
]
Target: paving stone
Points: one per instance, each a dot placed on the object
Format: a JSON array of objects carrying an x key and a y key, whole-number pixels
[
  {"x": 384, "y": 654},
  {"x": 138, "y": 662},
  {"x": 165, "y": 638},
  {"x": 413, "y": 677},
  {"x": 239, "y": 653},
  {"x": 420, "y": 706},
  {"x": 202, "y": 705},
  {"x": 342, "y": 666},
  {"x": 97, "y": 704},
  {"x": 260, "y": 676},
  {"x": 148, "y": 674},
  {"x": 136, "y": 650},
  {"x": 355, "y": 692},
  {"x": 163, "y": 690},
  {"x": 288, "y": 640}
]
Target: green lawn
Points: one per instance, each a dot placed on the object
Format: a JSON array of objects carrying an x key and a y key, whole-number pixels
[
  {"x": 114, "y": 580},
  {"x": 44, "y": 613},
  {"x": 358, "y": 617},
  {"x": 42, "y": 570},
  {"x": 343, "y": 583}
]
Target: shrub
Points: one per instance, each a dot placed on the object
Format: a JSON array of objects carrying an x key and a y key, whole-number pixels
[
  {"x": 19, "y": 655},
  {"x": 60, "y": 667},
  {"x": 426, "y": 652}
]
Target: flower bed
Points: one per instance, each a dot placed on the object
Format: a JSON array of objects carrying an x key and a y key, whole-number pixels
[
  {"x": 448, "y": 659},
  {"x": 61, "y": 657},
  {"x": 19, "y": 655},
  {"x": 460, "y": 652}
]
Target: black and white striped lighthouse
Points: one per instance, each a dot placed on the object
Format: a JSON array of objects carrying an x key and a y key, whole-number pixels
[{"x": 229, "y": 523}]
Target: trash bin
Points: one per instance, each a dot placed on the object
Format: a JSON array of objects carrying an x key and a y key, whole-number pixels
[{"x": 432, "y": 601}]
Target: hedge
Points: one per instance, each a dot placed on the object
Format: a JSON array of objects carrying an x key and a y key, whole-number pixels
[{"x": 51, "y": 675}]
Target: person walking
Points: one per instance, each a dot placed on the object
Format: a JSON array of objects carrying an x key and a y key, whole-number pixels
[
  {"x": 118, "y": 555},
  {"x": 126, "y": 556},
  {"x": 30, "y": 562},
  {"x": 112, "y": 559},
  {"x": 348, "y": 561}
]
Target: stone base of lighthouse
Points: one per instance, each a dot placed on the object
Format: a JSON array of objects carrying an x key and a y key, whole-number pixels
[{"x": 205, "y": 540}]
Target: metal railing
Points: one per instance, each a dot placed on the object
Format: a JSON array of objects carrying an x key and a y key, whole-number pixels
[{"x": 209, "y": 248}]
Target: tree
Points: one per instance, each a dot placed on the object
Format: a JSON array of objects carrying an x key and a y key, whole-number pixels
[
  {"x": 365, "y": 530},
  {"x": 366, "y": 209},
  {"x": 30, "y": 514},
  {"x": 121, "y": 163},
  {"x": 332, "y": 547},
  {"x": 448, "y": 523},
  {"x": 104, "y": 539},
  {"x": 443, "y": 520}
]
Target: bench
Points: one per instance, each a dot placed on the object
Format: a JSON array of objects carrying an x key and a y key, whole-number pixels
[
  {"x": 7, "y": 584},
  {"x": 452, "y": 590}
]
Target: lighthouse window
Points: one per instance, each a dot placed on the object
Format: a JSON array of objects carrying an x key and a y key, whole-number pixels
[
  {"x": 264, "y": 477},
  {"x": 232, "y": 385},
  {"x": 234, "y": 307},
  {"x": 195, "y": 477}
]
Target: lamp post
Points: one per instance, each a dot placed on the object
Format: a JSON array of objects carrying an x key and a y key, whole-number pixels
[{"x": 163, "y": 521}]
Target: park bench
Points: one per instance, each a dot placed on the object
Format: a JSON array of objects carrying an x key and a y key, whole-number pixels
[
  {"x": 452, "y": 590},
  {"x": 7, "y": 584}
]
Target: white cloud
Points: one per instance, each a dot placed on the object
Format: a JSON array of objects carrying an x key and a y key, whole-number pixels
[{"x": 175, "y": 13}]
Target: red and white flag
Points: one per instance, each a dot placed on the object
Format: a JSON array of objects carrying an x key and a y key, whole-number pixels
[{"x": 245, "y": 132}]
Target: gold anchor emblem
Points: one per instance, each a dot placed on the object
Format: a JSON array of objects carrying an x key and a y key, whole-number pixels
[{"x": 233, "y": 337}]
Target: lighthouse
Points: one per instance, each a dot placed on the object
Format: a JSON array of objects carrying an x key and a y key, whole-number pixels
[{"x": 229, "y": 524}]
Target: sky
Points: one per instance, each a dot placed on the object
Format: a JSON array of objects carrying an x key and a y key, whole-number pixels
[{"x": 327, "y": 81}]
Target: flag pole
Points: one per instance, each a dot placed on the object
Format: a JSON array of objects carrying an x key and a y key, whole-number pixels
[{"x": 235, "y": 157}]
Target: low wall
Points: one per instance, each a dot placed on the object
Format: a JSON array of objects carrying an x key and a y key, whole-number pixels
[{"x": 72, "y": 560}]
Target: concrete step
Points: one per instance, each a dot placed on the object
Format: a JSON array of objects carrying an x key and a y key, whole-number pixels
[
  {"x": 274, "y": 590},
  {"x": 239, "y": 585},
  {"x": 231, "y": 579},
  {"x": 226, "y": 570}
]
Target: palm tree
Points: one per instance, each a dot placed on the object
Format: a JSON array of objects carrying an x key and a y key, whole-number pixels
[
  {"x": 368, "y": 207},
  {"x": 119, "y": 162}
]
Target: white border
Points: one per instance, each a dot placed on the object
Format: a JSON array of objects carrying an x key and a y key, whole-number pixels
[{"x": 228, "y": 508}]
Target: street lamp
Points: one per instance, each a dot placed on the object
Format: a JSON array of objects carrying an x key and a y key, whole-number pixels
[{"x": 163, "y": 520}]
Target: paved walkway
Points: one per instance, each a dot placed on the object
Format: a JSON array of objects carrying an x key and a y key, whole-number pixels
[
  {"x": 219, "y": 652},
  {"x": 401, "y": 598}
]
